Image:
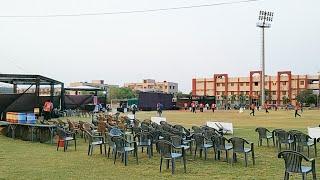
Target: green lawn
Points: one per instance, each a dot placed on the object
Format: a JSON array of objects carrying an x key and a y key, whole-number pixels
[{"x": 26, "y": 160}]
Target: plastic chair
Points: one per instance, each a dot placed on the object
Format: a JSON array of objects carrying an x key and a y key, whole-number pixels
[
  {"x": 123, "y": 147},
  {"x": 65, "y": 137},
  {"x": 166, "y": 153},
  {"x": 219, "y": 143},
  {"x": 238, "y": 145},
  {"x": 293, "y": 164},
  {"x": 144, "y": 139},
  {"x": 95, "y": 141},
  {"x": 305, "y": 140},
  {"x": 263, "y": 134},
  {"x": 201, "y": 145}
]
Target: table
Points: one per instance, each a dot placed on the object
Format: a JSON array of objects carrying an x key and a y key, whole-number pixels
[{"x": 32, "y": 127}]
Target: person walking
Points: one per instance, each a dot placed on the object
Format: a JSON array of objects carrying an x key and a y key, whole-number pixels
[
  {"x": 252, "y": 107},
  {"x": 47, "y": 108},
  {"x": 296, "y": 108},
  {"x": 134, "y": 110}
]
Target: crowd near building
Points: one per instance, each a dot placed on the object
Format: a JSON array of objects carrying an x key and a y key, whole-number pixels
[
  {"x": 150, "y": 85},
  {"x": 283, "y": 84}
]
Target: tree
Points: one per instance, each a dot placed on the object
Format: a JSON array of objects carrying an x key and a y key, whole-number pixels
[
  {"x": 233, "y": 98},
  {"x": 307, "y": 97},
  {"x": 285, "y": 100},
  {"x": 268, "y": 95},
  {"x": 242, "y": 99},
  {"x": 121, "y": 93}
]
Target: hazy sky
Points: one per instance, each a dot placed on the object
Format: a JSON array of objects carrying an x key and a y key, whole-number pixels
[{"x": 174, "y": 45}]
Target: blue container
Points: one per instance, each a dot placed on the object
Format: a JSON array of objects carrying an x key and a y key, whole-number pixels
[{"x": 31, "y": 118}]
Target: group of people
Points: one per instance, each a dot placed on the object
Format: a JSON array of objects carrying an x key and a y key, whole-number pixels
[
  {"x": 297, "y": 107},
  {"x": 193, "y": 107}
]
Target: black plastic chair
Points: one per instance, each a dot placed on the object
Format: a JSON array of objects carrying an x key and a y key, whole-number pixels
[
  {"x": 238, "y": 145},
  {"x": 293, "y": 164},
  {"x": 65, "y": 137},
  {"x": 115, "y": 132},
  {"x": 219, "y": 143},
  {"x": 201, "y": 145},
  {"x": 275, "y": 137},
  {"x": 166, "y": 153},
  {"x": 95, "y": 141},
  {"x": 305, "y": 140},
  {"x": 284, "y": 138},
  {"x": 144, "y": 139},
  {"x": 123, "y": 147},
  {"x": 177, "y": 141},
  {"x": 264, "y": 133}
]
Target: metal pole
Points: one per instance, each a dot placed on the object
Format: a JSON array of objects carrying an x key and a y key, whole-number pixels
[{"x": 263, "y": 70}]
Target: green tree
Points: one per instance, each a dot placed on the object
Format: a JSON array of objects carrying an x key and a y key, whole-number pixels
[
  {"x": 233, "y": 98},
  {"x": 121, "y": 93},
  {"x": 307, "y": 97},
  {"x": 285, "y": 100}
]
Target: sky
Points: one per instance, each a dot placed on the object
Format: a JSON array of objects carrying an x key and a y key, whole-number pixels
[{"x": 175, "y": 45}]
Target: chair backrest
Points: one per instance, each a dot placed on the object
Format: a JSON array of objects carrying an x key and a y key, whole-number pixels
[
  {"x": 199, "y": 139},
  {"x": 196, "y": 129},
  {"x": 155, "y": 134},
  {"x": 136, "y": 130},
  {"x": 238, "y": 144},
  {"x": 293, "y": 160},
  {"x": 61, "y": 132},
  {"x": 283, "y": 136},
  {"x": 219, "y": 142},
  {"x": 165, "y": 148},
  {"x": 209, "y": 134},
  {"x": 86, "y": 126},
  {"x": 102, "y": 127},
  {"x": 301, "y": 138},
  {"x": 176, "y": 140},
  {"x": 262, "y": 132},
  {"x": 115, "y": 132},
  {"x": 119, "y": 142},
  {"x": 144, "y": 137},
  {"x": 166, "y": 135},
  {"x": 81, "y": 125}
]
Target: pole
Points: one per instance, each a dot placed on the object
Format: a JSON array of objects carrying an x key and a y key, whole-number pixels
[{"x": 263, "y": 70}]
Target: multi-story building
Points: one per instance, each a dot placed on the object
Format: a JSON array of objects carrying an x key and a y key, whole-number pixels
[
  {"x": 150, "y": 85},
  {"x": 283, "y": 84}
]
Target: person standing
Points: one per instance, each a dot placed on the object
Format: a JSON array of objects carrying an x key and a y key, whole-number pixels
[
  {"x": 47, "y": 108},
  {"x": 207, "y": 106},
  {"x": 266, "y": 107},
  {"x": 252, "y": 107},
  {"x": 134, "y": 109},
  {"x": 296, "y": 108},
  {"x": 201, "y": 107},
  {"x": 159, "y": 109},
  {"x": 213, "y": 107},
  {"x": 193, "y": 106},
  {"x": 185, "y": 106}
]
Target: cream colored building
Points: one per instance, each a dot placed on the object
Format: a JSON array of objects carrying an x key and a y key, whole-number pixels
[
  {"x": 150, "y": 85},
  {"x": 283, "y": 84}
]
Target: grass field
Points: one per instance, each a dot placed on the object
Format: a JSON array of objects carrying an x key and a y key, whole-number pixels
[{"x": 26, "y": 160}]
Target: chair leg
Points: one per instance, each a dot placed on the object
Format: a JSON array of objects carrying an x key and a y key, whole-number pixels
[
  {"x": 58, "y": 145},
  {"x": 115, "y": 157},
  {"x": 253, "y": 158},
  {"x": 160, "y": 163},
  {"x": 100, "y": 148},
  {"x": 109, "y": 152},
  {"x": 304, "y": 176},
  {"x": 308, "y": 151},
  {"x": 89, "y": 150},
  {"x": 105, "y": 149},
  {"x": 205, "y": 153},
  {"x": 125, "y": 158},
  {"x": 315, "y": 148},
  {"x": 227, "y": 156},
  {"x": 172, "y": 165},
  {"x": 246, "y": 159},
  {"x": 184, "y": 164},
  {"x": 75, "y": 144},
  {"x": 286, "y": 176},
  {"x": 136, "y": 152},
  {"x": 267, "y": 142},
  {"x": 168, "y": 164},
  {"x": 314, "y": 176}
]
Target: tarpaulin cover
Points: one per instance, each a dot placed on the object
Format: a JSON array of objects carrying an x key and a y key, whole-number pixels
[
  {"x": 148, "y": 101},
  {"x": 77, "y": 101}
]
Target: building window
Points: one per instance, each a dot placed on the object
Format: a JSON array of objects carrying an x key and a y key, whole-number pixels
[
  {"x": 222, "y": 84},
  {"x": 247, "y": 84},
  {"x": 284, "y": 83},
  {"x": 256, "y": 84},
  {"x": 241, "y": 84},
  {"x": 218, "y": 84},
  {"x": 232, "y": 84},
  {"x": 301, "y": 82},
  {"x": 284, "y": 92},
  {"x": 247, "y": 92},
  {"x": 274, "y": 93},
  {"x": 218, "y": 92},
  {"x": 172, "y": 87},
  {"x": 232, "y": 93}
]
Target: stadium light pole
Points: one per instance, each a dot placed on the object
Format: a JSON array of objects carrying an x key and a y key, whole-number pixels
[{"x": 265, "y": 19}]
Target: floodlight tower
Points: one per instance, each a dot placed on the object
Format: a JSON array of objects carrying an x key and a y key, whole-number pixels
[{"x": 265, "y": 18}]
